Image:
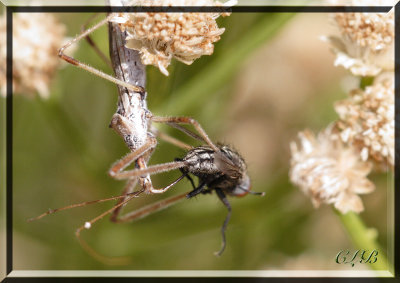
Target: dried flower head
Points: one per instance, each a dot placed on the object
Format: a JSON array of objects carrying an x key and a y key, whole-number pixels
[
  {"x": 366, "y": 45},
  {"x": 36, "y": 39},
  {"x": 329, "y": 172},
  {"x": 367, "y": 120},
  {"x": 159, "y": 37}
]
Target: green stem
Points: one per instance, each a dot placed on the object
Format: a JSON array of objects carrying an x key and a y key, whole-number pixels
[
  {"x": 363, "y": 238},
  {"x": 366, "y": 81},
  {"x": 220, "y": 70}
]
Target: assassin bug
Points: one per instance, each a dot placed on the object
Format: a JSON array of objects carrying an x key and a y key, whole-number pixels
[{"x": 218, "y": 167}]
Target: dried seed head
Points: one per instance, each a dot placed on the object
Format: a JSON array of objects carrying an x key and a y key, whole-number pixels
[
  {"x": 328, "y": 171},
  {"x": 36, "y": 39},
  {"x": 367, "y": 120},
  {"x": 366, "y": 45},
  {"x": 159, "y": 37}
]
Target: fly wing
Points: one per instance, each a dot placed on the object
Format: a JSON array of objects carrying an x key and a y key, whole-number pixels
[{"x": 227, "y": 166}]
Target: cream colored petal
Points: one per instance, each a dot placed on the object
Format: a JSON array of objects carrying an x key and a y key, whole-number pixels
[
  {"x": 349, "y": 202},
  {"x": 363, "y": 186}
]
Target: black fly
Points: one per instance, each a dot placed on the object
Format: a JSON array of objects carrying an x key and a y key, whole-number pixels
[{"x": 223, "y": 171}]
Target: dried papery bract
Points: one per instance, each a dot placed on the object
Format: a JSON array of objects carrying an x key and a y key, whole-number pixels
[
  {"x": 366, "y": 42},
  {"x": 36, "y": 39},
  {"x": 367, "y": 120},
  {"x": 159, "y": 37},
  {"x": 328, "y": 171}
]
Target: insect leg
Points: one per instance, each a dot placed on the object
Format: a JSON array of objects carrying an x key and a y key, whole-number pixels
[
  {"x": 170, "y": 139},
  {"x": 155, "y": 169},
  {"x": 186, "y": 131},
  {"x": 90, "y": 69},
  {"x": 88, "y": 225},
  {"x": 190, "y": 179},
  {"x": 225, "y": 201},
  {"x": 117, "y": 169},
  {"x": 134, "y": 215},
  {"x": 145, "y": 182},
  {"x": 187, "y": 120},
  {"x": 144, "y": 211},
  {"x": 130, "y": 185},
  {"x": 184, "y": 171},
  {"x": 92, "y": 43},
  {"x": 51, "y": 211},
  {"x": 197, "y": 190}
]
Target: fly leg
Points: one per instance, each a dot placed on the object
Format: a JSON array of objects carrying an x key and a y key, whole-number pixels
[
  {"x": 225, "y": 201},
  {"x": 197, "y": 190}
]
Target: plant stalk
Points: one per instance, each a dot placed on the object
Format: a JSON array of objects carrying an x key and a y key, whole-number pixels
[{"x": 363, "y": 238}]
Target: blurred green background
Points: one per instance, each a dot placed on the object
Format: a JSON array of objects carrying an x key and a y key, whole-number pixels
[{"x": 269, "y": 77}]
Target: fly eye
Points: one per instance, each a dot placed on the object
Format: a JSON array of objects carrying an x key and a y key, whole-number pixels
[
  {"x": 245, "y": 187},
  {"x": 245, "y": 184}
]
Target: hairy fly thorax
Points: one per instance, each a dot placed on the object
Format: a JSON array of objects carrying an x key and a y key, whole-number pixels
[{"x": 224, "y": 169}]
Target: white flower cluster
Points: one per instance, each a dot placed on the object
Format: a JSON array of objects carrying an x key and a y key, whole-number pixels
[
  {"x": 333, "y": 167},
  {"x": 159, "y": 37},
  {"x": 367, "y": 120},
  {"x": 328, "y": 171},
  {"x": 36, "y": 39},
  {"x": 366, "y": 42}
]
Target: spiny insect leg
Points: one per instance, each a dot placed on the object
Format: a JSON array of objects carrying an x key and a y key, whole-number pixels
[
  {"x": 152, "y": 208},
  {"x": 92, "y": 43},
  {"x": 187, "y": 120},
  {"x": 90, "y": 69},
  {"x": 116, "y": 170}
]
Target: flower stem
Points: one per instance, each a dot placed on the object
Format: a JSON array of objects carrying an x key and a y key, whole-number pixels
[{"x": 364, "y": 238}]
